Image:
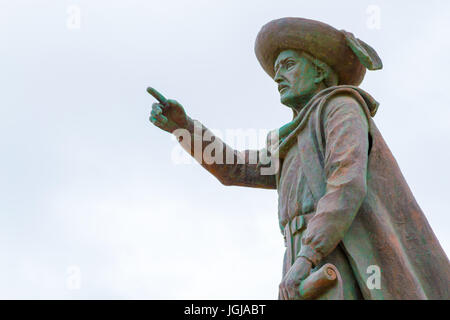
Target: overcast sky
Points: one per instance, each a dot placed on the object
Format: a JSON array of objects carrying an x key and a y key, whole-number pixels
[{"x": 92, "y": 204}]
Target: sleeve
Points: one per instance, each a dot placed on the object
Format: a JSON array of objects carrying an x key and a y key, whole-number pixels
[
  {"x": 231, "y": 167},
  {"x": 345, "y": 130}
]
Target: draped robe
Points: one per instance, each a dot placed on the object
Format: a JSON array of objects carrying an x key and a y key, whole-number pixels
[{"x": 343, "y": 198}]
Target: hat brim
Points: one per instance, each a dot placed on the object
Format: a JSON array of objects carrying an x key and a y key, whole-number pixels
[{"x": 314, "y": 37}]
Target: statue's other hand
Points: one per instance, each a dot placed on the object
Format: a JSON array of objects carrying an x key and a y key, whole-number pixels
[
  {"x": 169, "y": 115},
  {"x": 289, "y": 286}
]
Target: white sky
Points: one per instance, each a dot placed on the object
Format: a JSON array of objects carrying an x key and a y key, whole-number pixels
[{"x": 88, "y": 187}]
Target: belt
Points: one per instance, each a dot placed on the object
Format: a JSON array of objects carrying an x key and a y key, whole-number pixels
[{"x": 292, "y": 227}]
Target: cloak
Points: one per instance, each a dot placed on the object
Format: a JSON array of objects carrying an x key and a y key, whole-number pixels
[
  {"x": 389, "y": 230},
  {"x": 376, "y": 222}
]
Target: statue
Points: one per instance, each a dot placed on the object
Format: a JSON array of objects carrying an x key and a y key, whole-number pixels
[{"x": 344, "y": 206}]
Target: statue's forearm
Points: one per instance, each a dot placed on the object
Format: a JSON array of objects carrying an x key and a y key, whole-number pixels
[{"x": 229, "y": 166}]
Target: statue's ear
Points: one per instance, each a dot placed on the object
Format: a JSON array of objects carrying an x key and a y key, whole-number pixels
[
  {"x": 322, "y": 71},
  {"x": 365, "y": 53}
]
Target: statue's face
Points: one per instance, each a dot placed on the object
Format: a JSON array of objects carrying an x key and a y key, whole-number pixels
[{"x": 295, "y": 75}]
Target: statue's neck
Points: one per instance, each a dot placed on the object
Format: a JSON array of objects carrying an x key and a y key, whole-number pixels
[{"x": 301, "y": 104}]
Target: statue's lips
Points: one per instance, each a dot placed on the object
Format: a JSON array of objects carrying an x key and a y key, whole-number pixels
[{"x": 281, "y": 87}]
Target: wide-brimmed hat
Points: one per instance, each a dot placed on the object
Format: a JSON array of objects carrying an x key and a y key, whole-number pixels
[{"x": 346, "y": 55}]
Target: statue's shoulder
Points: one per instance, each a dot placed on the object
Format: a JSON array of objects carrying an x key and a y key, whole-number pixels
[{"x": 347, "y": 98}]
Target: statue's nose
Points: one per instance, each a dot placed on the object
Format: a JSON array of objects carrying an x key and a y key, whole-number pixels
[{"x": 278, "y": 78}]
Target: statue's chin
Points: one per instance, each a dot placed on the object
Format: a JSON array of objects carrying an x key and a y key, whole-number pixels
[
  {"x": 297, "y": 101},
  {"x": 285, "y": 99},
  {"x": 291, "y": 101}
]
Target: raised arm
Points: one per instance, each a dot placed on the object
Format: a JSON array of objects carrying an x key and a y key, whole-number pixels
[{"x": 229, "y": 166}]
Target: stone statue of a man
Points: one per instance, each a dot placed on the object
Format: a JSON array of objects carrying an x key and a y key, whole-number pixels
[{"x": 342, "y": 197}]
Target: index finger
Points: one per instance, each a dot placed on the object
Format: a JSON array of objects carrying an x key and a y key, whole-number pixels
[{"x": 158, "y": 96}]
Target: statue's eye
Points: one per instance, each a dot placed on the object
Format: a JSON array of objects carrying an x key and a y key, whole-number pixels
[{"x": 290, "y": 65}]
